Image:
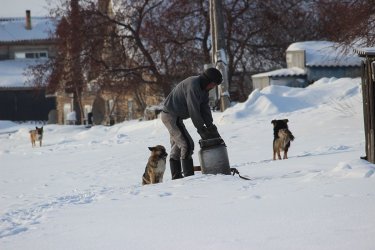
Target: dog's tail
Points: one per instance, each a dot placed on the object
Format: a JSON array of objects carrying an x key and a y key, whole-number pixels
[{"x": 291, "y": 136}]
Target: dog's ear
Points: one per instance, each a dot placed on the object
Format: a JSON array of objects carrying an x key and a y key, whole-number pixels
[
  {"x": 151, "y": 148},
  {"x": 286, "y": 120},
  {"x": 273, "y": 122}
]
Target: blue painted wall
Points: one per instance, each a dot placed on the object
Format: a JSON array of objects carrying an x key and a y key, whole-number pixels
[{"x": 315, "y": 73}]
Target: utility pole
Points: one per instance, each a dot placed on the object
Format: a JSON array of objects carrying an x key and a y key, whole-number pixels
[{"x": 219, "y": 58}]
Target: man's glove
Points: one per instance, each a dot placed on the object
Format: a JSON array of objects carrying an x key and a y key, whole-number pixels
[
  {"x": 209, "y": 132},
  {"x": 203, "y": 133},
  {"x": 212, "y": 129}
]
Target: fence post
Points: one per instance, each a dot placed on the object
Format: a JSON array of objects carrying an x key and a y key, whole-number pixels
[{"x": 368, "y": 94}]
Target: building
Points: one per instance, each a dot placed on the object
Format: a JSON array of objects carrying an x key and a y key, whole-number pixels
[
  {"x": 309, "y": 61},
  {"x": 24, "y": 42}
]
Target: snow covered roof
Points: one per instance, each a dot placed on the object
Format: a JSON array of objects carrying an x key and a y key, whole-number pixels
[
  {"x": 13, "y": 29},
  {"x": 294, "y": 71},
  {"x": 325, "y": 53},
  {"x": 12, "y": 73}
]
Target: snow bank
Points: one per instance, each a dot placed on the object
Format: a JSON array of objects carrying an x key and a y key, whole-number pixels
[{"x": 274, "y": 100}]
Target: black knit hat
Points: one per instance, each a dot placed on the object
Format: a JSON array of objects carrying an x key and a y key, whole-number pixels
[{"x": 213, "y": 75}]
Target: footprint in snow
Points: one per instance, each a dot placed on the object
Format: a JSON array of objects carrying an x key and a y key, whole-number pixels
[
  {"x": 369, "y": 173},
  {"x": 165, "y": 194}
]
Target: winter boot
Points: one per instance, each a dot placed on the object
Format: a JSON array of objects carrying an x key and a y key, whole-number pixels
[
  {"x": 187, "y": 166},
  {"x": 175, "y": 168}
]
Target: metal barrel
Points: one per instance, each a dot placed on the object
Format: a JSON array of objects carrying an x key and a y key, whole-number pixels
[{"x": 213, "y": 157}]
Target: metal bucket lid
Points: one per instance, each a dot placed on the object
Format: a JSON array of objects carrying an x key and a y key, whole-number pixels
[{"x": 211, "y": 142}]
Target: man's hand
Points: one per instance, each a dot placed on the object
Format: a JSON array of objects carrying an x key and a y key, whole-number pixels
[
  {"x": 203, "y": 133},
  {"x": 209, "y": 132}
]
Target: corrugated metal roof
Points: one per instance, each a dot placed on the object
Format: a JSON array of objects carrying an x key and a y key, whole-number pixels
[
  {"x": 13, "y": 29},
  {"x": 295, "y": 71}
]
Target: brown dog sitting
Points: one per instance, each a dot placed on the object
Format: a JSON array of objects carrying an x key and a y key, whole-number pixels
[
  {"x": 36, "y": 135},
  {"x": 282, "y": 138},
  {"x": 155, "y": 167}
]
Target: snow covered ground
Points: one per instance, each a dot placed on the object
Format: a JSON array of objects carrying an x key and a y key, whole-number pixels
[{"x": 82, "y": 189}]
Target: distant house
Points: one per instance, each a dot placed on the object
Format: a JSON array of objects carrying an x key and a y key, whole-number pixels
[
  {"x": 310, "y": 61},
  {"x": 23, "y": 42}
]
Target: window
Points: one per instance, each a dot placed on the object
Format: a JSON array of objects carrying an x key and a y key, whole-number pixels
[{"x": 31, "y": 54}]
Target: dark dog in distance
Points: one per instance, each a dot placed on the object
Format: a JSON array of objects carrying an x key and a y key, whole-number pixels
[
  {"x": 36, "y": 135},
  {"x": 155, "y": 167},
  {"x": 281, "y": 138}
]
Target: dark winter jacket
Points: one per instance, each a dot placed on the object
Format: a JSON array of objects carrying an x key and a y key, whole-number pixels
[{"x": 189, "y": 99}]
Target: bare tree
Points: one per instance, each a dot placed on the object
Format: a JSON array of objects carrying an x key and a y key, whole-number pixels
[
  {"x": 349, "y": 22},
  {"x": 64, "y": 71},
  {"x": 160, "y": 42},
  {"x": 259, "y": 31}
]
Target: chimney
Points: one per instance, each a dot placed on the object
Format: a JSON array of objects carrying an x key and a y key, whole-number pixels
[{"x": 28, "y": 20}]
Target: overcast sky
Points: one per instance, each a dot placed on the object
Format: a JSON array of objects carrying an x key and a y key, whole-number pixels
[{"x": 17, "y": 8}]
